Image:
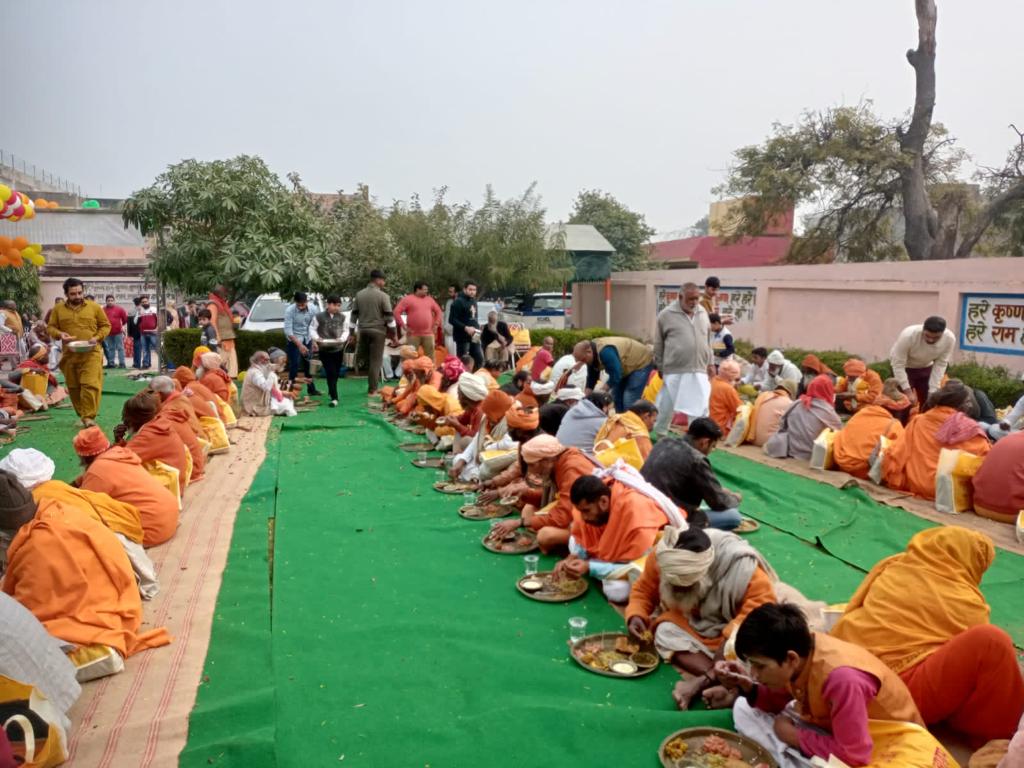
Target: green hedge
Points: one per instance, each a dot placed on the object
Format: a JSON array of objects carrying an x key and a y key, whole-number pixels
[
  {"x": 179, "y": 344},
  {"x": 1001, "y": 385}
]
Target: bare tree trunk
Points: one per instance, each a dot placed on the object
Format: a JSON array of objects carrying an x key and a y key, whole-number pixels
[{"x": 921, "y": 219}]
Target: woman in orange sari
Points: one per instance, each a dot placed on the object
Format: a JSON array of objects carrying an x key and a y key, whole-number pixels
[
  {"x": 912, "y": 461},
  {"x": 922, "y": 613}
]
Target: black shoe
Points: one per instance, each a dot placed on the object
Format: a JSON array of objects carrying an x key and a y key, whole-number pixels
[{"x": 313, "y": 393}]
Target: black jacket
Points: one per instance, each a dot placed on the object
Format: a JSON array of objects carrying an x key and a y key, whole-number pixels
[{"x": 463, "y": 316}]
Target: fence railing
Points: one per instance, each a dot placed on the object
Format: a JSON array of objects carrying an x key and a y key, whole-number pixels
[{"x": 38, "y": 174}]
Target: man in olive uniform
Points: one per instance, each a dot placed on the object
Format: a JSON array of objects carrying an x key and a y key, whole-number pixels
[{"x": 80, "y": 320}]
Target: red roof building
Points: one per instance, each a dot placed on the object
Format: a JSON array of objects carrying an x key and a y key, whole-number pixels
[{"x": 712, "y": 253}]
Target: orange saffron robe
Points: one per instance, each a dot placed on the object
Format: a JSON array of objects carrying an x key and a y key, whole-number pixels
[
  {"x": 73, "y": 574},
  {"x": 723, "y": 403},
  {"x": 570, "y": 465},
  {"x": 869, "y": 388},
  {"x": 912, "y": 461},
  {"x": 621, "y": 426},
  {"x": 118, "y": 472},
  {"x": 645, "y": 598},
  {"x": 633, "y": 524},
  {"x": 219, "y": 383},
  {"x": 179, "y": 421},
  {"x": 118, "y": 516},
  {"x": 158, "y": 441},
  {"x": 855, "y": 442}
]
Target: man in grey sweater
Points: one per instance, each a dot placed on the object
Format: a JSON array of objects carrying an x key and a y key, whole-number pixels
[{"x": 683, "y": 356}]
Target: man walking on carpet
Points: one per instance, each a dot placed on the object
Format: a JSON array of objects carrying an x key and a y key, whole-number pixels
[
  {"x": 375, "y": 322},
  {"x": 330, "y": 326},
  {"x": 682, "y": 354},
  {"x": 80, "y": 320}
]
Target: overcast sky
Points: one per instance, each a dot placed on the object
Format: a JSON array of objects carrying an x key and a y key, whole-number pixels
[{"x": 645, "y": 100}]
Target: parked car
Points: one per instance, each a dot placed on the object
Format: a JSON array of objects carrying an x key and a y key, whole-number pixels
[
  {"x": 267, "y": 313},
  {"x": 540, "y": 310}
]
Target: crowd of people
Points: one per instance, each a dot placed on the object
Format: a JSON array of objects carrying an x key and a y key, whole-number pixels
[{"x": 604, "y": 453}]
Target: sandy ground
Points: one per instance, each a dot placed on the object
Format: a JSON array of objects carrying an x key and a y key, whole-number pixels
[{"x": 140, "y": 717}]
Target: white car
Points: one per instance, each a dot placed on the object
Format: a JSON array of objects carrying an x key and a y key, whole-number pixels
[
  {"x": 267, "y": 313},
  {"x": 540, "y": 311}
]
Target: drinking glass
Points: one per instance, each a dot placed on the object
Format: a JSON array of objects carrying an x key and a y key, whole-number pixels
[
  {"x": 421, "y": 456},
  {"x": 530, "y": 564},
  {"x": 577, "y": 628},
  {"x": 441, "y": 476},
  {"x": 468, "y": 498}
]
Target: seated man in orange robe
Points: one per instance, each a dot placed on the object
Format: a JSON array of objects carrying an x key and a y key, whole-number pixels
[
  {"x": 545, "y": 462},
  {"x": 860, "y": 387},
  {"x": 912, "y": 461},
  {"x": 214, "y": 377},
  {"x": 34, "y": 470},
  {"x": 692, "y": 596},
  {"x": 614, "y": 522},
  {"x": 71, "y": 572},
  {"x": 172, "y": 401},
  {"x": 635, "y": 423},
  {"x": 922, "y": 613},
  {"x": 724, "y": 399},
  {"x": 157, "y": 437},
  {"x": 420, "y": 371},
  {"x": 854, "y": 443},
  {"x": 769, "y": 408},
  {"x": 118, "y": 472},
  {"x": 203, "y": 401}
]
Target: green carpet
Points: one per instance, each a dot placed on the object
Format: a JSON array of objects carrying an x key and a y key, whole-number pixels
[
  {"x": 390, "y": 637},
  {"x": 854, "y": 528}
]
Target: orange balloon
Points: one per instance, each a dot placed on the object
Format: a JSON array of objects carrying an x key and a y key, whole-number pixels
[
  {"x": 40, "y": 202},
  {"x": 5, "y": 243},
  {"x": 16, "y": 259},
  {"x": 20, "y": 242},
  {"x": 75, "y": 247},
  {"x": 53, "y": 204}
]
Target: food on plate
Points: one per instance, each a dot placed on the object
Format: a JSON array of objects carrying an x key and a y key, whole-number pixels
[
  {"x": 623, "y": 645},
  {"x": 677, "y": 748}
]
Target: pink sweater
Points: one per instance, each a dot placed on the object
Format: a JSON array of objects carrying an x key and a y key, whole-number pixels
[{"x": 423, "y": 314}]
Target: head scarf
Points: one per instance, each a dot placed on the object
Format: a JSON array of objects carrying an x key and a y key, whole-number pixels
[
  {"x": 541, "y": 447},
  {"x": 407, "y": 352},
  {"x": 812, "y": 362},
  {"x": 521, "y": 418},
  {"x": 527, "y": 398},
  {"x": 422, "y": 364},
  {"x": 956, "y": 429},
  {"x": 569, "y": 393},
  {"x": 432, "y": 397},
  {"x": 198, "y": 354},
  {"x": 542, "y": 388},
  {"x": 854, "y": 368},
  {"x": 775, "y": 357},
  {"x": 788, "y": 386},
  {"x": 472, "y": 387},
  {"x": 910, "y": 604},
  {"x": 30, "y": 466},
  {"x": 17, "y": 506},
  {"x": 453, "y": 368},
  {"x": 90, "y": 442},
  {"x": 211, "y": 361},
  {"x": 684, "y": 557},
  {"x": 38, "y": 352},
  {"x": 496, "y": 405},
  {"x": 729, "y": 370},
  {"x": 821, "y": 388},
  {"x": 184, "y": 375}
]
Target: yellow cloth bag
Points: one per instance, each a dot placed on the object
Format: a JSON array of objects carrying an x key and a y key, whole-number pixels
[
  {"x": 216, "y": 434},
  {"x": 653, "y": 388},
  {"x": 166, "y": 475},
  {"x": 24, "y": 706},
  {"x": 966, "y": 467},
  {"x": 740, "y": 426},
  {"x": 624, "y": 448},
  {"x": 822, "y": 450},
  {"x": 35, "y": 382}
]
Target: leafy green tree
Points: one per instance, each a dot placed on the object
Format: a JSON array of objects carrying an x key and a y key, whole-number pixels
[
  {"x": 359, "y": 241},
  {"x": 626, "y": 230},
  {"x": 21, "y": 285},
  {"x": 232, "y": 222}
]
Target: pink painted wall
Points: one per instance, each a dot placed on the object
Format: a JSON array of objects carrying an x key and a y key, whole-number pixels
[{"x": 856, "y": 307}]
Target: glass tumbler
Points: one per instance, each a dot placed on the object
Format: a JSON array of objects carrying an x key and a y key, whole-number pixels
[
  {"x": 577, "y": 628},
  {"x": 530, "y": 564}
]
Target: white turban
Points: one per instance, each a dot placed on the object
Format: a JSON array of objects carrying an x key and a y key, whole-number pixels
[
  {"x": 472, "y": 387},
  {"x": 775, "y": 357},
  {"x": 681, "y": 567},
  {"x": 569, "y": 393},
  {"x": 30, "y": 466},
  {"x": 539, "y": 388}
]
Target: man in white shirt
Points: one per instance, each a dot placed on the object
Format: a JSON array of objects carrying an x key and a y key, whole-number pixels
[
  {"x": 571, "y": 370},
  {"x": 329, "y": 332},
  {"x": 920, "y": 357},
  {"x": 779, "y": 369},
  {"x": 758, "y": 372}
]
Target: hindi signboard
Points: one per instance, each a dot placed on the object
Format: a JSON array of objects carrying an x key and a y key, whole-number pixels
[
  {"x": 737, "y": 302},
  {"x": 992, "y": 322}
]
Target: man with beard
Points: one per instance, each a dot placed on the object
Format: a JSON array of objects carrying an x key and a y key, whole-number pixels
[
  {"x": 692, "y": 597},
  {"x": 79, "y": 320}
]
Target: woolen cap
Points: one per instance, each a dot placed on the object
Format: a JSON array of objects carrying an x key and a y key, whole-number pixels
[{"x": 17, "y": 506}]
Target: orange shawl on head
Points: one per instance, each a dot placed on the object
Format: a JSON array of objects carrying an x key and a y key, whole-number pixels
[
  {"x": 74, "y": 575},
  {"x": 912, "y": 461},
  {"x": 177, "y": 402},
  {"x": 912, "y": 603},
  {"x": 218, "y": 382},
  {"x": 813, "y": 362},
  {"x": 118, "y": 516},
  {"x": 632, "y": 528},
  {"x": 202, "y": 400},
  {"x": 119, "y": 473},
  {"x": 854, "y": 443},
  {"x": 158, "y": 440}
]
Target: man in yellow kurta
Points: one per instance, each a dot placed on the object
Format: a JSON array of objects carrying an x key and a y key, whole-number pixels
[{"x": 80, "y": 320}]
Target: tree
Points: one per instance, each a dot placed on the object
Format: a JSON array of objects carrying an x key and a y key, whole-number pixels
[
  {"x": 232, "y": 222},
  {"x": 360, "y": 241},
  {"x": 701, "y": 227},
  {"x": 21, "y": 285},
  {"x": 501, "y": 244},
  {"x": 876, "y": 189},
  {"x": 626, "y": 230}
]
